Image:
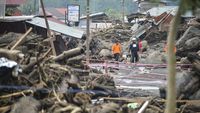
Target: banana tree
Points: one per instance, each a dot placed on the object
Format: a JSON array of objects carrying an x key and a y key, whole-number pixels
[{"x": 185, "y": 5}]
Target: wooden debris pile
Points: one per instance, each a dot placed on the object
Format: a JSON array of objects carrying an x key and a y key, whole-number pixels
[
  {"x": 47, "y": 83},
  {"x": 63, "y": 83}
]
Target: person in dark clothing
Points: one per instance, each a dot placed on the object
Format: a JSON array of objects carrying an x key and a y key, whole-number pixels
[{"x": 134, "y": 48}]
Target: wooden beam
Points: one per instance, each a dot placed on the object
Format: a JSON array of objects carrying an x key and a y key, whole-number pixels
[
  {"x": 48, "y": 29},
  {"x": 21, "y": 39}
]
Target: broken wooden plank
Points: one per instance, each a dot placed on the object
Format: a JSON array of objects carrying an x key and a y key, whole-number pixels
[
  {"x": 5, "y": 109},
  {"x": 48, "y": 29},
  {"x": 137, "y": 99},
  {"x": 17, "y": 94},
  {"x": 144, "y": 106},
  {"x": 11, "y": 54},
  {"x": 180, "y": 101},
  {"x": 22, "y": 38}
]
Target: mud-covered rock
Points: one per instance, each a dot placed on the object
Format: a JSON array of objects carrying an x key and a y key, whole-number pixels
[
  {"x": 26, "y": 105},
  {"x": 105, "y": 53}
]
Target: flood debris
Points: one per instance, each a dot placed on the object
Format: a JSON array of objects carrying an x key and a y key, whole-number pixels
[{"x": 34, "y": 80}]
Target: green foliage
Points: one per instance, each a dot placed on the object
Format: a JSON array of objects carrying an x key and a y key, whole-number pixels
[
  {"x": 189, "y": 5},
  {"x": 96, "y": 5},
  {"x": 155, "y": 1},
  {"x": 31, "y": 7},
  {"x": 9, "y": 11},
  {"x": 113, "y": 14}
]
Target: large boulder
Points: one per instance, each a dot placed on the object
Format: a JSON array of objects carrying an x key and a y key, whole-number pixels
[
  {"x": 155, "y": 57},
  {"x": 192, "y": 43},
  {"x": 105, "y": 53},
  {"x": 198, "y": 52},
  {"x": 26, "y": 105},
  {"x": 191, "y": 32}
]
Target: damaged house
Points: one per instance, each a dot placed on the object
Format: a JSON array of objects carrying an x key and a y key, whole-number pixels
[{"x": 97, "y": 21}]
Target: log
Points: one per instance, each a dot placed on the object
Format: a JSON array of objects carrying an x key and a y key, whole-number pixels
[
  {"x": 29, "y": 66},
  {"x": 16, "y": 94},
  {"x": 182, "y": 80},
  {"x": 21, "y": 39},
  {"x": 195, "y": 59},
  {"x": 191, "y": 87},
  {"x": 76, "y": 60},
  {"x": 60, "y": 67},
  {"x": 5, "y": 109},
  {"x": 48, "y": 29},
  {"x": 69, "y": 53},
  {"x": 187, "y": 35},
  {"x": 156, "y": 108},
  {"x": 195, "y": 107},
  {"x": 144, "y": 106},
  {"x": 128, "y": 100},
  {"x": 180, "y": 101},
  {"x": 11, "y": 54}
]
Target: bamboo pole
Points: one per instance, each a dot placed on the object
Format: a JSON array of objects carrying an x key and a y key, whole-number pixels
[
  {"x": 17, "y": 94},
  {"x": 171, "y": 63},
  {"x": 144, "y": 106},
  {"x": 88, "y": 32},
  {"x": 48, "y": 29}
]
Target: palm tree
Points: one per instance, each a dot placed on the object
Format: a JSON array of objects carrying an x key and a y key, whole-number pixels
[{"x": 184, "y": 6}]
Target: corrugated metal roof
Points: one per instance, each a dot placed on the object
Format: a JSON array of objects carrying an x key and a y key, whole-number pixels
[
  {"x": 93, "y": 15},
  {"x": 69, "y": 31},
  {"x": 156, "y": 11},
  {"x": 55, "y": 20},
  {"x": 15, "y": 18},
  {"x": 15, "y": 2},
  {"x": 141, "y": 30}
]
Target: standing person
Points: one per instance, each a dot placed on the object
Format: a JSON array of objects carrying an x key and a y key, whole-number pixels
[
  {"x": 140, "y": 45},
  {"x": 166, "y": 47},
  {"x": 116, "y": 50},
  {"x": 134, "y": 48}
]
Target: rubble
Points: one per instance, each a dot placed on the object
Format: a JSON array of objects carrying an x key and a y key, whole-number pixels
[
  {"x": 64, "y": 83},
  {"x": 42, "y": 75}
]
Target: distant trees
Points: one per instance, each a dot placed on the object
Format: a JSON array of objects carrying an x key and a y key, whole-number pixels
[
  {"x": 113, "y": 14},
  {"x": 109, "y": 6},
  {"x": 31, "y": 7}
]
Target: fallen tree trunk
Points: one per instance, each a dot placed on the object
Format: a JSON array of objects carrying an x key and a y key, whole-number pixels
[
  {"x": 29, "y": 66},
  {"x": 195, "y": 59},
  {"x": 69, "y": 53},
  {"x": 76, "y": 61},
  {"x": 11, "y": 54}
]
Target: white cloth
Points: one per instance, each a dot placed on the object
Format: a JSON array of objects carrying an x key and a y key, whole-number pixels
[{"x": 134, "y": 45}]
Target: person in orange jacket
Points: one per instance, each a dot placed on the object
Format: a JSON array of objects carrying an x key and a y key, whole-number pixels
[
  {"x": 165, "y": 48},
  {"x": 116, "y": 50}
]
